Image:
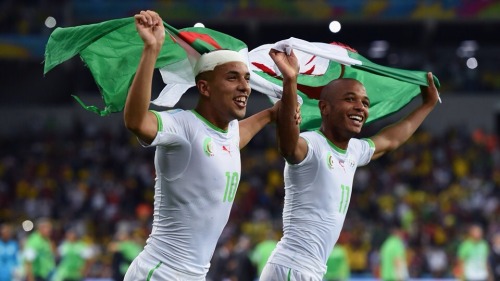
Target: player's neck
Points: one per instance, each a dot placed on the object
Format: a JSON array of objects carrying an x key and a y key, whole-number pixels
[
  {"x": 337, "y": 139},
  {"x": 211, "y": 116}
]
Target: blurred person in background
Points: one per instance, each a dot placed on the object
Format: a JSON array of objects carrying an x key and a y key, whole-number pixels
[
  {"x": 39, "y": 252},
  {"x": 125, "y": 248},
  {"x": 197, "y": 159},
  {"x": 495, "y": 256},
  {"x": 75, "y": 257},
  {"x": 393, "y": 256},
  {"x": 472, "y": 256},
  {"x": 320, "y": 167},
  {"x": 9, "y": 253},
  {"x": 337, "y": 265},
  {"x": 357, "y": 250},
  {"x": 263, "y": 250},
  {"x": 436, "y": 259}
]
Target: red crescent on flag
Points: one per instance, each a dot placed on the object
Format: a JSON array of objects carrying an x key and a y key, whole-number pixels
[{"x": 190, "y": 37}]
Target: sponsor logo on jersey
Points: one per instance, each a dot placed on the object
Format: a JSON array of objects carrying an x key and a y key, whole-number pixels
[
  {"x": 348, "y": 163},
  {"x": 208, "y": 146},
  {"x": 226, "y": 148}
]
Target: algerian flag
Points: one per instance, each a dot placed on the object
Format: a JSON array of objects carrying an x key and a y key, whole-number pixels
[
  {"x": 112, "y": 50},
  {"x": 389, "y": 89}
]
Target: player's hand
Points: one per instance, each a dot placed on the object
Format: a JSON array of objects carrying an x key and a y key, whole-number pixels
[
  {"x": 287, "y": 64},
  {"x": 149, "y": 25},
  {"x": 430, "y": 94}
]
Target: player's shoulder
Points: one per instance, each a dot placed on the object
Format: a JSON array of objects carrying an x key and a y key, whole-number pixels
[{"x": 362, "y": 142}]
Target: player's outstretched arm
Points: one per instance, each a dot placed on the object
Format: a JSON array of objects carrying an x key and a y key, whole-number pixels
[
  {"x": 393, "y": 136},
  {"x": 250, "y": 126},
  {"x": 137, "y": 117},
  {"x": 291, "y": 146}
]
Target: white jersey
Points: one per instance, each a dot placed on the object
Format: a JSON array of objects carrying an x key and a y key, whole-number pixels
[
  {"x": 197, "y": 174},
  {"x": 317, "y": 196}
]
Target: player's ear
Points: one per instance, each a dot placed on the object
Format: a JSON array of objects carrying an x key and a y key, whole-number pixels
[
  {"x": 324, "y": 107},
  {"x": 203, "y": 87}
]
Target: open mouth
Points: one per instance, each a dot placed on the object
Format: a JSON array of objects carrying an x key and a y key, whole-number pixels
[
  {"x": 241, "y": 101},
  {"x": 356, "y": 118}
]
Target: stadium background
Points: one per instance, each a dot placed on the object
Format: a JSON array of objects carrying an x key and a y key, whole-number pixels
[{"x": 86, "y": 172}]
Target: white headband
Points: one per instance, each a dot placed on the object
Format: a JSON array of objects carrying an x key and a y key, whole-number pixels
[{"x": 209, "y": 61}]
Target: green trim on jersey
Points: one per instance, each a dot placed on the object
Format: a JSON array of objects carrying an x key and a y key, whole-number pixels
[
  {"x": 150, "y": 273},
  {"x": 160, "y": 123},
  {"x": 336, "y": 148},
  {"x": 289, "y": 277},
  {"x": 208, "y": 122},
  {"x": 370, "y": 142}
]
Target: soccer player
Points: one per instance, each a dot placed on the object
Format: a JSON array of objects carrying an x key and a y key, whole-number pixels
[
  {"x": 393, "y": 265},
  {"x": 197, "y": 158},
  {"x": 320, "y": 167},
  {"x": 74, "y": 258},
  {"x": 39, "y": 253}
]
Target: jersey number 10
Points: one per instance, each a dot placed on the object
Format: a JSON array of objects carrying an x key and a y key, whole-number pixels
[{"x": 232, "y": 180}]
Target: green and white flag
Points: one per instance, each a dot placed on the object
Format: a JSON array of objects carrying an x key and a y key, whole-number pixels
[
  {"x": 112, "y": 50},
  {"x": 389, "y": 89}
]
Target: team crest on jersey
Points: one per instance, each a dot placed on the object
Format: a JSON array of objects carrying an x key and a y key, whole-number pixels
[
  {"x": 329, "y": 160},
  {"x": 208, "y": 146}
]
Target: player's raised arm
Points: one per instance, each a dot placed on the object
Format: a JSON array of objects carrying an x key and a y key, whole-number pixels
[
  {"x": 137, "y": 117},
  {"x": 291, "y": 146},
  {"x": 393, "y": 136}
]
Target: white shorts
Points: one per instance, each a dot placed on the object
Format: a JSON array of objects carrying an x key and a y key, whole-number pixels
[
  {"x": 276, "y": 272},
  {"x": 146, "y": 268}
]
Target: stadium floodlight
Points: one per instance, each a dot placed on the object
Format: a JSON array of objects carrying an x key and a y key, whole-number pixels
[
  {"x": 467, "y": 49},
  {"x": 27, "y": 225},
  {"x": 378, "y": 49},
  {"x": 50, "y": 22},
  {"x": 334, "y": 26},
  {"x": 471, "y": 63}
]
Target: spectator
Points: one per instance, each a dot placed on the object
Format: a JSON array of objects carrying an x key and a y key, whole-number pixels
[
  {"x": 495, "y": 256},
  {"x": 9, "y": 253}
]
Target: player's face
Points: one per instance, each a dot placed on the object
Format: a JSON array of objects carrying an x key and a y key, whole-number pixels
[
  {"x": 230, "y": 90},
  {"x": 348, "y": 107}
]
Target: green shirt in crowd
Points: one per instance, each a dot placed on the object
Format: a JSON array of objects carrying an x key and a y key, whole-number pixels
[
  {"x": 74, "y": 255},
  {"x": 474, "y": 255},
  {"x": 38, "y": 251},
  {"x": 129, "y": 250},
  {"x": 337, "y": 265},
  {"x": 261, "y": 253},
  {"x": 393, "y": 259}
]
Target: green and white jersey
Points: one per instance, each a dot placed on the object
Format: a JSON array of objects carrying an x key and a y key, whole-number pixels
[
  {"x": 38, "y": 251},
  {"x": 317, "y": 196},
  {"x": 393, "y": 264},
  {"x": 73, "y": 258},
  {"x": 475, "y": 259},
  {"x": 197, "y": 174}
]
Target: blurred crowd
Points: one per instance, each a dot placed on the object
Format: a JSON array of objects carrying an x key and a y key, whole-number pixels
[{"x": 97, "y": 187}]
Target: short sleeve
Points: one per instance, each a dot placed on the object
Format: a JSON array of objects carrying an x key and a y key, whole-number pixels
[
  {"x": 172, "y": 125},
  {"x": 309, "y": 154},
  {"x": 366, "y": 150}
]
